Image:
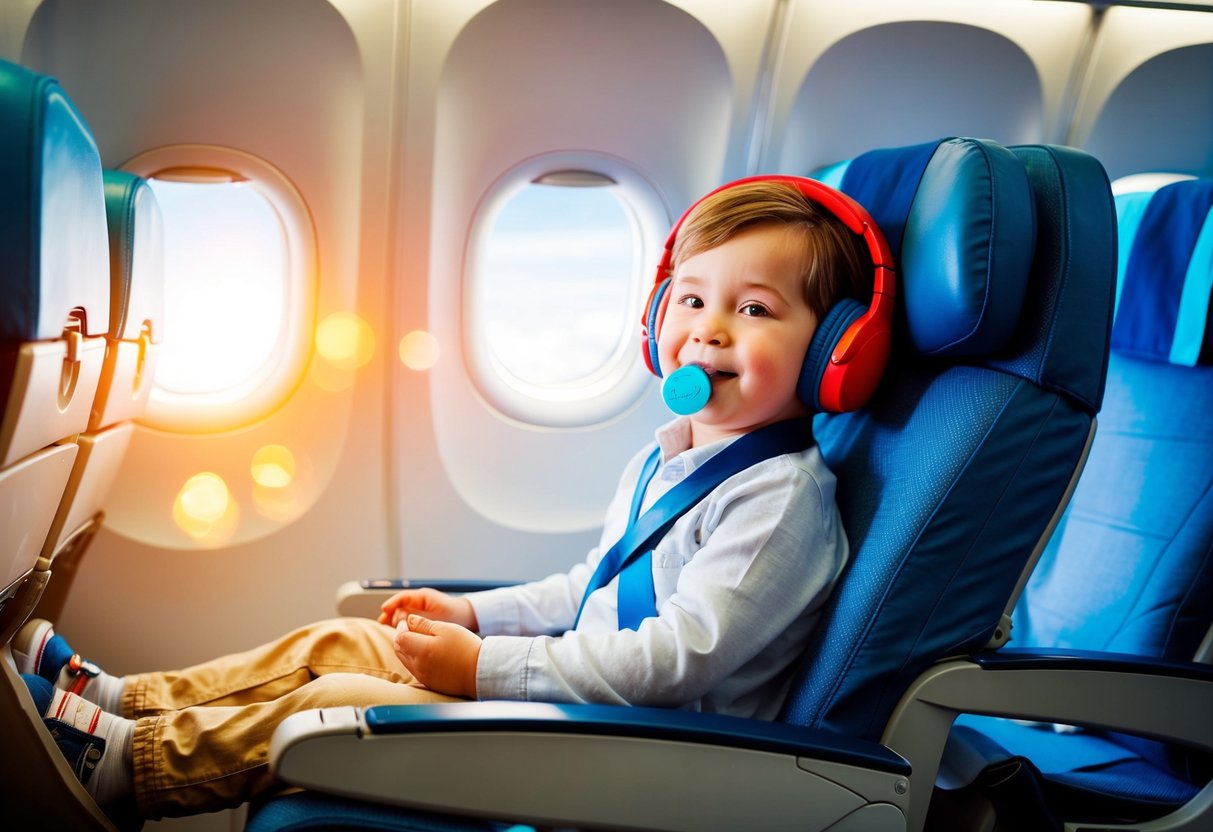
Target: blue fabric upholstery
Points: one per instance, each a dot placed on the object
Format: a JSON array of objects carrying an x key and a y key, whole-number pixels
[
  {"x": 324, "y": 813},
  {"x": 1059, "y": 344},
  {"x": 1086, "y": 775},
  {"x": 934, "y": 558},
  {"x": 50, "y": 178},
  {"x": 1129, "y": 568},
  {"x": 1165, "y": 283},
  {"x": 962, "y": 209},
  {"x": 1141, "y": 519}
]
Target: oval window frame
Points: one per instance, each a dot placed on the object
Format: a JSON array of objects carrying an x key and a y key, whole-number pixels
[
  {"x": 266, "y": 388},
  {"x": 620, "y": 382}
]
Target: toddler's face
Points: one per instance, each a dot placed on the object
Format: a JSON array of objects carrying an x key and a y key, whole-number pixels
[{"x": 738, "y": 310}]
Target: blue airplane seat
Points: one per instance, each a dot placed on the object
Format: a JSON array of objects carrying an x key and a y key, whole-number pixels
[
  {"x": 53, "y": 320},
  {"x": 948, "y": 482},
  {"x": 53, "y": 323},
  {"x": 1129, "y": 569},
  {"x": 135, "y": 329},
  {"x": 136, "y": 234}
]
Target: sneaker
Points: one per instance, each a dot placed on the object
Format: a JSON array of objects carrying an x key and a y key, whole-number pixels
[
  {"x": 40, "y": 651},
  {"x": 37, "y": 650},
  {"x": 81, "y": 731}
]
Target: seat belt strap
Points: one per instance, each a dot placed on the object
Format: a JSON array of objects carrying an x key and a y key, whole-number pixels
[{"x": 636, "y": 599}]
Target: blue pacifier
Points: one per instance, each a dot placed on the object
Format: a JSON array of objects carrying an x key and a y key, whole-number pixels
[{"x": 687, "y": 390}]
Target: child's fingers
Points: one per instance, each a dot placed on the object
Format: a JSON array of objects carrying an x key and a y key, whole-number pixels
[
  {"x": 441, "y": 655},
  {"x": 394, "y": 600},
  {"x": 421, "y": 624}
]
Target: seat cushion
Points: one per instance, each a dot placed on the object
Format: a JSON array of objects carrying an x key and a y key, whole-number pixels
[
  {"x": 317, "y": 812},
  {"x": 1088, "y": 775}
]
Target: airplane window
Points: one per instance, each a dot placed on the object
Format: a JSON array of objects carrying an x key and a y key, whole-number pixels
[
  {"x": 239, "y": 273},
  {"x": 556, "y": 272},
  {"x": 224, "y": 258},
  {"x": 554, "y": 302}
]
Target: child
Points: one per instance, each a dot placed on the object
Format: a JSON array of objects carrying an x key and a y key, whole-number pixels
[{"x": 736, "y": 582}]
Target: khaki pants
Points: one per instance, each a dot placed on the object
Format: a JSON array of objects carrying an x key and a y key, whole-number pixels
[{"x": 202, "y": 734}]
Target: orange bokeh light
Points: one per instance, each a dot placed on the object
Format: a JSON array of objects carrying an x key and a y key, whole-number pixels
[{"x": 345, "y": 340}]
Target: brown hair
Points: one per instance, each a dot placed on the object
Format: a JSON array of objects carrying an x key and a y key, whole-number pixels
[{"x": 838, "y": 264}]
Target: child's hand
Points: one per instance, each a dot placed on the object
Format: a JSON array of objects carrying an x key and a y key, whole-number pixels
[
  {"x": 442, "y": 656},
  {"x": 429, "y": 603}
]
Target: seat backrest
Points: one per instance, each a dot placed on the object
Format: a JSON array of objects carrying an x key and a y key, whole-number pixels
[
  {"x": 55, "y": 314},
  {"x": 135, "y": 326},
  {"x": 53, "y": 247},
  {"x": 951, "y": 477},
  {"x": 1130, "y": 567},
  {"x": 54, "y": 318},
  {"x": 136, "y": 237}
]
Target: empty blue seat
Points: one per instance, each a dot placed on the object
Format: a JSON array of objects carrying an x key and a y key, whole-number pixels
[
  {"x": 1129, "y": 569},
  {"x": 55, "y": 314}
]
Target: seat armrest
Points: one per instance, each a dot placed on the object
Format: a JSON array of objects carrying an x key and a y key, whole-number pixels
[
  {"x": 592, "y": 765},
  {"x": 1167, "y": 701},
  {"x": 361, "y": 599},
  {"x": 1024, "y": 658},
  {"x": 637, "y": 723}
]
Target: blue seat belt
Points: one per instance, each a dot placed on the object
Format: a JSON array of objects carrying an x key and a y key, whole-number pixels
[
  {"x": 636, "y": 599},
  {"x": 631, "y": 556}
]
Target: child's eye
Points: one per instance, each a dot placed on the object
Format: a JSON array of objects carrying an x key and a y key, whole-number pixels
[
  {"x": 691, "y": 301},
  {"x": 755, "y": 310}
]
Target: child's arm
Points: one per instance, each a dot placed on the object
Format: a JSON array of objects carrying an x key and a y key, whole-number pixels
[
  {"x": 442, "y": 656},
  {"x": 429, "y": 603},
  {"x": 740, "y": 614}
]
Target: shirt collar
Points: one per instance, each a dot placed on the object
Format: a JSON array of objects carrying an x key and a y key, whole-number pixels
[{"x": 679, "y": 458}]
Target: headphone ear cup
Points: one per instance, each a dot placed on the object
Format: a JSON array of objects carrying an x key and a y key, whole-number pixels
[
  {"x": 654, "y": 313},
  {"x": 817, "y": 360}
]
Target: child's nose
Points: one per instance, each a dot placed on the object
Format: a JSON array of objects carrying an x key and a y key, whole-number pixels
[{"x": 710, "y": 330}]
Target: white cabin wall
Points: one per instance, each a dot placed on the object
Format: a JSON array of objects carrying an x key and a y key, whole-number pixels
[
  {"x": 14, "y": 21},
  {"x": 668, "y": 93},
  {"x": 1147, "y": 102},
  {"x": 890, "y": 74}
]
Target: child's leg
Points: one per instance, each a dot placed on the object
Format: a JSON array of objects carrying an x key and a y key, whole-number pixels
[
  {"x": 210, "y": 758},
  {"x": 265, "y": 673}
]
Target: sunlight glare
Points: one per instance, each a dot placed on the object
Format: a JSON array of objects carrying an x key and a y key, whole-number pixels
[{"x": 225, "y": 257}]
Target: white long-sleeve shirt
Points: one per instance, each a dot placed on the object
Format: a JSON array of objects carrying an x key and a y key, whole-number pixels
[{"x": 738, "y": 580}]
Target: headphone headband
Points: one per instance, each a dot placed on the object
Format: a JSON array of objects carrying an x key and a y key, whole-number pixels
[{"x": 853, "y": 215}]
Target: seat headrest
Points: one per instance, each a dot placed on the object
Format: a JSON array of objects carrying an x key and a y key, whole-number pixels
[
  {"x": 1165, "y": 270},
  {"x": 52, "y": 212},
  {"x": 959, "y": 217},
  {"x": 136, "y": 238},
  {"x": 1005, "y": 254}
]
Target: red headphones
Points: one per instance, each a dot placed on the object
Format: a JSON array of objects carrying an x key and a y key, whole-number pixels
[{"x": 850, "y": 347}]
